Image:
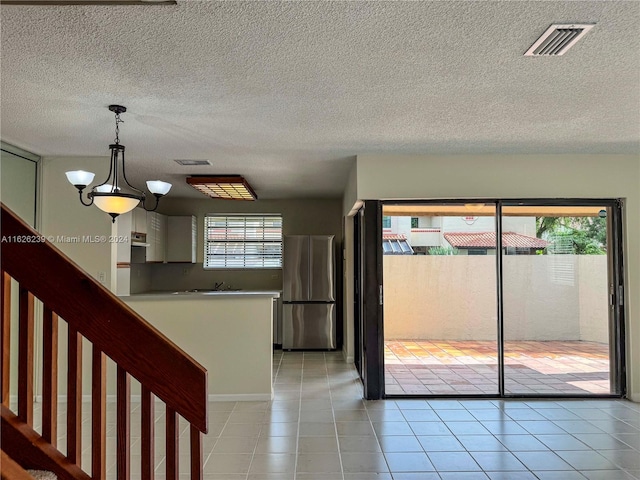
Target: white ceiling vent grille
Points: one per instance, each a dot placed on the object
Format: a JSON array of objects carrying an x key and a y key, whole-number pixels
[
  {"x": 558, "y": 39},
  {"x": 192, "y": 163}
]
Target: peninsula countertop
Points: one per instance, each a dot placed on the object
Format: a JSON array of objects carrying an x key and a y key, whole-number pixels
[{"x": 199, "y": 294}]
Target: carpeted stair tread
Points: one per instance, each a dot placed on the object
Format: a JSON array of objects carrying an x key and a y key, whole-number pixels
[{"x": 42, "y": 475}]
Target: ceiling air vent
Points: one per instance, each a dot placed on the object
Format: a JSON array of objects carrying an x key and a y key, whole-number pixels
[
  {"x": 192, "y": 163},
  {"x": 558, "y": 39}
]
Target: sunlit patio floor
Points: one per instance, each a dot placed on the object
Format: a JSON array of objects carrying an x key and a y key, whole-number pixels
[{"x": 433, "y": 367}]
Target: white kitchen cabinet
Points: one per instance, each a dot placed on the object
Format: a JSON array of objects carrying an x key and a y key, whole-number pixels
[
  {"x": 139, "y": 222},
  {"x": 181, "y": 239},
  {"x": 156, "y": 237}
]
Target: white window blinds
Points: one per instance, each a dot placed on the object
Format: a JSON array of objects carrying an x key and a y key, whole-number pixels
[{"x": 243, "y": 241}]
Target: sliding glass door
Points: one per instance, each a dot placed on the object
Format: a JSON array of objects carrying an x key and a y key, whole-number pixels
[
  {"x": 439, "y": 268},
  {"x": 558, "y": 281},
  {"x": 501, "y": 298}
]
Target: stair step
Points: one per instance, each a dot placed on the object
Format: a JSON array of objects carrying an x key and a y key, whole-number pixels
[{"x": 42, "y": 475}]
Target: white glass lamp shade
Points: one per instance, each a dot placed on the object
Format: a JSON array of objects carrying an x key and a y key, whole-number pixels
[
  {"x": 106, "y": 188},
  {"x": 158, "y": 187},
  {"x": 80, "y": 177},
  {"x": 115, "y": 204}
]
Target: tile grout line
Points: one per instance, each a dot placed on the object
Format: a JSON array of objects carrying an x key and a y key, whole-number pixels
[
  {"x": 333, "y": 413},
  {"x": 218, "y": 438},
  {"x": 255, "y": 448},
  {"x": 375, "y": 434},
  {"x": 295, "y": 463}
]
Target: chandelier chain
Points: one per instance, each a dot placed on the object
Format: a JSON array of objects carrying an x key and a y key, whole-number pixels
[{"x": 118, "y": 122}]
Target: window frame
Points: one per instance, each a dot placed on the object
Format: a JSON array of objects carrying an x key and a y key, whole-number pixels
[{"x": 243, "y": 242}]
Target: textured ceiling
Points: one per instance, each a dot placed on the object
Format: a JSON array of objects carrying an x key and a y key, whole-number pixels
[{"x": 287, "y": 93}]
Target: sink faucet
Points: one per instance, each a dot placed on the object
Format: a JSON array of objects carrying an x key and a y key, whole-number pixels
[{"x": 217, "y": 286}]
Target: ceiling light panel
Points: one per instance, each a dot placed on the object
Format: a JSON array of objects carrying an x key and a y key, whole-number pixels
[
  {"x": 228, "y": 187},
  {"x": 557, "y": 39}
]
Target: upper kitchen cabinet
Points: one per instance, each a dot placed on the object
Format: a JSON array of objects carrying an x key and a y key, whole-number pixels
[
  {"x": 139, "y": 221},
  {"x": 156, "y": 237},
  {"x": 181, "y": 239}
]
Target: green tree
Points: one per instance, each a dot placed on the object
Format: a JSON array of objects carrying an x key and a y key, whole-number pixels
[
  {"x": 577, "y": 235},
  {"x": 443, "y": 251}
]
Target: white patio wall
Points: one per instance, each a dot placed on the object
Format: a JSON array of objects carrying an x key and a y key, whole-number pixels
[{"x": 546, "y": 297}]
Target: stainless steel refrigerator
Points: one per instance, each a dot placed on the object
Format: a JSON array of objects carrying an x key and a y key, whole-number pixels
[{"x": 309, "y": 304}]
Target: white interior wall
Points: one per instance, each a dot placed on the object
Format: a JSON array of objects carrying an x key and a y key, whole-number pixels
[
  {"x": 64, "y": 218},
  {"x": 18, "y": 185},
  {"x": 18, "y": 191},
  {"x": 516, "y": 176}
]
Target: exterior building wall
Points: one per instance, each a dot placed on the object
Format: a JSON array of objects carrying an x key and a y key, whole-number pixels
[
  {"x": 546, "y": 297},
  {"x": 431, "y": 230}
]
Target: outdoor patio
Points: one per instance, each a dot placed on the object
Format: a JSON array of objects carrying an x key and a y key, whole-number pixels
[{"x": 430, "y": 367}]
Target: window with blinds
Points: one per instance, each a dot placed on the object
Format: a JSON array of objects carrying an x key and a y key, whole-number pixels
[{"x": 243, "y": 241}]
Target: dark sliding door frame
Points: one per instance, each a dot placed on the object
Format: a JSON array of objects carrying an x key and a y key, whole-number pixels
[
  {"x": 372, "y": 290},
  {"x": 372, "y": 308},
  {"x": 357, "y": 299}
]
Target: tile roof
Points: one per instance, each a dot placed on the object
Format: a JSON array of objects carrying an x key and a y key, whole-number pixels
[
  {"x": 488, "y": 240},
  {"x": 393, "y": 236}
]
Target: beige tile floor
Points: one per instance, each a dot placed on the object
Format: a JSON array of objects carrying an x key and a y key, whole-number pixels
[
  {"x": 429, "y": 367},
  {"x": 319, "y": 428}
]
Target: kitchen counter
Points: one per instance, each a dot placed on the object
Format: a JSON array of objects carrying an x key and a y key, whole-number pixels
[
  {"x": 201, "y": 294},
  {"x": 228, "y": 332}
]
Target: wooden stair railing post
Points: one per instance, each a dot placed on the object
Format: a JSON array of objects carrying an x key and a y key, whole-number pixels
[
  {"x": 25, "y": 357},
  {"x": 172, "y": 444},
  {"x": 5, "y": 336},
  {"x": 98, "y": 414},
  {"x": 147, "y": 435},
  {"x": 123, "y": 427},
  {"x": 50, "y": 376},
  {"x": 196, "y": 453},
  {"x": 74, "y": 397}
]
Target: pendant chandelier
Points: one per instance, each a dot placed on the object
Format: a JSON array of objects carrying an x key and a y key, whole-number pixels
[{"x": 116, "y": 195}]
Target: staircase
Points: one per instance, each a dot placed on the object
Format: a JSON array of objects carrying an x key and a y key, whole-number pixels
[{"x": 64, "y": 293}]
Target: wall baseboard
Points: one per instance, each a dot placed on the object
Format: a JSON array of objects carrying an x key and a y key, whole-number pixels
[{"x": 347, "y": 358}]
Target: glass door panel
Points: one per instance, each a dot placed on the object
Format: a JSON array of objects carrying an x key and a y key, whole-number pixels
[
  {"x": 556, "y": 272},
  {"x": 440, "y": 310}
]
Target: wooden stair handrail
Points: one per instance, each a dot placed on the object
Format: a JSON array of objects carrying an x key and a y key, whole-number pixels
[
  {"x": 101, "y": 317},
  {"x": 10, "y": 470},
  {"x": 30, "y": 450}
]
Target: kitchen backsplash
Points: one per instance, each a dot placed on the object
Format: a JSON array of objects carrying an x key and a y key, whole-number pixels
[
  {"x": 140, "y": 278},
  {"x": 185, "y": 276}
]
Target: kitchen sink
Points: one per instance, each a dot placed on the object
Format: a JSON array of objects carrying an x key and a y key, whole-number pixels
[{"x": 205, "y": 291}]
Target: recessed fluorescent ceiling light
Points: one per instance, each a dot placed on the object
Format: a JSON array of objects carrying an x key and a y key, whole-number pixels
[
  {"x": 226, "y": 187},
  {"x": 191, "y": 163}
]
